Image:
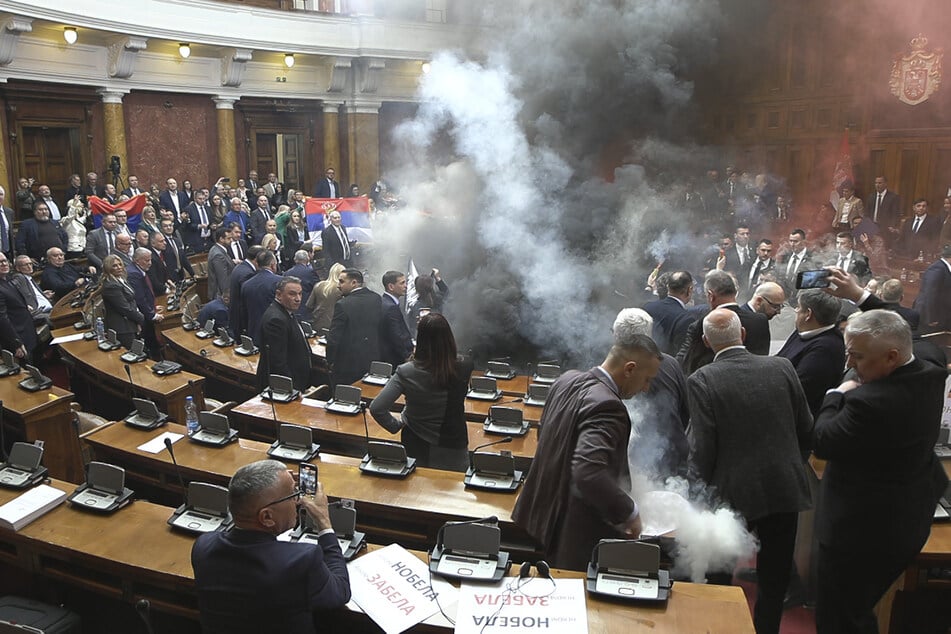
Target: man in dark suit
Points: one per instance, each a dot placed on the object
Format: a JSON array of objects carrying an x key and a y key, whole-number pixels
[
  {"x": 750, "y": 428},
  {"x": 284, "y": 349},
  {"x": 739, "y": 258},
  {"x": 99, "y": 242},
  {"x": 257, "y": 225},
  {"x": 220, "y": 264},
  {"x": 848, "y": 259},
  {"x": 721, "y": 293},
  {"x": 882, "y": 479},
  {"x": 257, "y": 293},
  {"x": 892, "y": 293},
  {"x": 6, "y": 226},
  {"x": 252, "y": 182},
  {"x": 934, "y": 300},
  {"x": 797, "y": 259},
  {"x": 92, "y": 188},
  {"x": 17, "y": 332},
  {"x": 176, "y": 261},
  {"x": 216, "y": 310},
  {"x": 816, "y": 349},
  {"x": 670, "y": 315},
  {"x": 123, "y": 249},
  {"x": 762, "y": 264},
  {"x": 238, "y": 248},
  {"x": 920, "y": 233},
  {"x": 884, "y": 207},
  {"x": 335, "y": 243},
  {"x": 60, "y": 276},
  {"x": 304, "y": 271},
  {"x": 327, "y": 187},
  {"x": 173, "y": 199},
  {"x": 396, "y": 344},
  {"x": 138, "y": 279},
  {"x": 247, "y": 581},
  {"x": 133, "y": 189},
  {"x": 159, "y": 271},
  {"x": 39, "y": 233},
  {"x": 575, "y": 493},
  {"x": 354, "y": 338},
  {"x": 241, "y": 274},
  {"x": 195, "y": 231}
]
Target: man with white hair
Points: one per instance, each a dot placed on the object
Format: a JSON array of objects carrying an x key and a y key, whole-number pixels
[
  {"x": 658, "y": 446},
  {"x": 750, "y": 429},
  {"x": 882, "y": 479},
  {"x": 335, "y": 243}
]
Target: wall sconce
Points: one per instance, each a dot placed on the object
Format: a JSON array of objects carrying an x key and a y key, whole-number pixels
[
  {"x": 70, "y": 34},
  {"x": 185, "y": 49},
  {"x": 289, "y": 60},
  {"x": 13, "y": 138},
  {"x": 425, "y": 68}
]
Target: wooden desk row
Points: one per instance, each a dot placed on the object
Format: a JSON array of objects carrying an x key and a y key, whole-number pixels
[
  {"x": 347, "y": 434},
  {"x": 409, "y": 511},
  {"x": 106, "y": 376},
  {"x": 45, "y": 416},
  {"x": 144, "y": 559}
]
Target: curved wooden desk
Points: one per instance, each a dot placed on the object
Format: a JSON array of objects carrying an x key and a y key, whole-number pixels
[
  {"x": 106, "y": 377},
  {"x": 347, "y": 435},
  {"x": 409, "y": 511}
]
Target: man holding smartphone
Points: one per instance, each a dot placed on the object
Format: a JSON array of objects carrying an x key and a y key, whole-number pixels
[{"x": 248, "y": 581}]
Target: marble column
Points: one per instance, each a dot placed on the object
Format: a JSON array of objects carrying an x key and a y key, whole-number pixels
[
  {"x": 331, "y": 155},
  {"x": 363, "y": 143},
  {"x": 113, "y": 123},
  {"x": 227, "y": 150}
]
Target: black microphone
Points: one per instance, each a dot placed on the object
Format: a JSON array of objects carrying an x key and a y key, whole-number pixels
[
  {"x": 270, "y": 390},
  {"x": 128, "y": 373},
  {"x": 488, "y": 444},
  {"x": 178, "y": 470},
  {"x": 366, "y": 427},
  {"x": 144, "y": 609}
]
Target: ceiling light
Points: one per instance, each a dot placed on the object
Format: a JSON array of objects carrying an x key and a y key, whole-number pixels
[
  {"x": 184, "y": 49},
  {"x": 289, "y": 60},
  {"x": 70, "y": 34},
  {"x": 425, "y": 68}
]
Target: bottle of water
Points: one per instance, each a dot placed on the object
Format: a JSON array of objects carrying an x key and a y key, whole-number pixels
[
  {"x": 100, "y": 330},
  {"x": 191, "y": 416}
]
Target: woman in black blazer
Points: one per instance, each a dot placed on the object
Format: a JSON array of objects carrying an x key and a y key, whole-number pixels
[
  {"x": 295, "y": 235},
  {"x": 118, "y": 300}
]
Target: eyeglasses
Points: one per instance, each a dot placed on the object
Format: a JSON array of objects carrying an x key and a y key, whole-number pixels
[
  {"x": 296, "y": 495},
  {"x": 776, "y": 307}
]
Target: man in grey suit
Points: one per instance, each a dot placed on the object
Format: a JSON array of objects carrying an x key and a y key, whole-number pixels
[
  {"x": 99, "y": 242},
  {"x": 220, "y": 264},
  {"x": 750, "y": 428}
]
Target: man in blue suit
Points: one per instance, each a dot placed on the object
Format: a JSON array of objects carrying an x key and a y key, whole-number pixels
[
  {"x": 934, "y": 300},
  {"x": 396, "y": 344},
  {"x": 304, "y": 271},
  {"x": 174, "y": 200},
  {"x": 241, "y": 274},
  {"x": 145, "y": 296},
  {"x": 670, "y": 315},
  {"x": 247, "y": 581},
  {"x": 258, "y": 292}
]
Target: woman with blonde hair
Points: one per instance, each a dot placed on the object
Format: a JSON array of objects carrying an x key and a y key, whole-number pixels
[
  {"x": 118, "y": 301},
  {"x": 323, "y": 297}
]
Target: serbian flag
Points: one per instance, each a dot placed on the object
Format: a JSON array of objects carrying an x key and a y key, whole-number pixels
[
  {"x": 843, "y": 169},
  {"x": 132, "y": 208},
  {"x": 354, "y": 215}
]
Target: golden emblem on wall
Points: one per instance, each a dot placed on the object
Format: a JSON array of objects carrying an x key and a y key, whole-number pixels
[{"x": 916, "y": 75}]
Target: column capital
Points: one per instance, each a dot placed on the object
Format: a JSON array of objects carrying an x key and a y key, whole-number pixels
[
  {"x": 112, "y": 95},
  {"x": 363, "y": 106},
  {"x": 223, "y": 102},
  {"x": 331, "y": 107}
]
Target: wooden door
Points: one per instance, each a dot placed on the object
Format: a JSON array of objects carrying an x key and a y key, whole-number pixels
[
  {"x": 50, "y": 155},
  {"x": 292, "y": 161},
  {"x": 265, "y": 155}
]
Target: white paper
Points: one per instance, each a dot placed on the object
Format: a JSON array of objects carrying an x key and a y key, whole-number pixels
[
  {"x": 30, "y": 505},
  {"x": 313, "y": 402},
  {"x": 157, "y": 444},
  {"x": 527, "y": 605},
  {"x": 392, "y": 586},
  {"x": 946, "y": 413},
  {"x": 67, "y": 338}
]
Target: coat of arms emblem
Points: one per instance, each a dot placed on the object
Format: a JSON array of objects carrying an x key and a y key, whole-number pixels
[{"x": 916, "y": 75}]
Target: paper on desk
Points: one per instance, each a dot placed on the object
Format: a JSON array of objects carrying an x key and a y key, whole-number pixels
[
  {"x": 312, "y": 402},
  {"x": 67, "y": 338},
  {"x": 157, "y": 444},
  {"x": 530, "y": 605},
  {"x": 391, "y": 586},
  {"x": 30, "y": 505}
]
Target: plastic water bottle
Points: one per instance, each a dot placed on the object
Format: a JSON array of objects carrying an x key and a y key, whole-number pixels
[
  {"x": 100, "y": 330},
  {"x": 191, "y": 416}
]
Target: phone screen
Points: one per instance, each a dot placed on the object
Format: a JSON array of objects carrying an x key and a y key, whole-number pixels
[
  {"x": 308, "y": 478},
  {"x": 812, "y": 279}
]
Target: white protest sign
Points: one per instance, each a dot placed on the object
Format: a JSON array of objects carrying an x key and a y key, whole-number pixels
[
  {"x": 392, "y": 586},
  {"x": 535, "y": 604},
  {"x": 946, "y": 413}
]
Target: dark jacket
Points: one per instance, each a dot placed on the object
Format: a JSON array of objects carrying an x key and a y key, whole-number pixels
[{"x": 354, "y": 338}]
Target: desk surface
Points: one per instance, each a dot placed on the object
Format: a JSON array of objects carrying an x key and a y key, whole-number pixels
[
  {"x": 25, "y": 405},
  {"x": 424, "y": 500},
  {"x": 476, "y": 410},
  {"x": 144, "y": 558},
  {"x": 348, "y": 432}
]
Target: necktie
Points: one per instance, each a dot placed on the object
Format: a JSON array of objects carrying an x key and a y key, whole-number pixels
[
  {"x": 793, "y": 263},
  {"x": 5, "y": 228},
  {"x": 148, "y": 284},
  {"x": 841, "y": 263},
  {"x": 202, "y": 215},
  {"x": 914, "y": 229},
  {"x": 344, "y": 242},
  {"x": 174, "y": 250},
  {"x": 110, "y": 240},
  {"x": 878, "y": 203},
  {"x": 756, "y": 270}
]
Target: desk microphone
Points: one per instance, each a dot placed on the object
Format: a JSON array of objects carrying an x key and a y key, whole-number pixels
[
  {"x": 488, "y": 444},
  {"x": 514, "y": 400},
  {"x": 270, "y": 389},
  {"x": 366, "y": 428},
  {"x": 144, "y": 609},
  {"x": 178, "y": 470},
  {"x": 128, "y": 373}
]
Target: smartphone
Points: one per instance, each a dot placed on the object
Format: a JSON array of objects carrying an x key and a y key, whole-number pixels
[
  {"x": 813, "y": 279},
  {"x": 307, "y": 476},
  {"x": 226, "y": 180}
]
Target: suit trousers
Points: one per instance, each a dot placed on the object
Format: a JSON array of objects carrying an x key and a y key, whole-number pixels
[
  {"x": 777, "y": 537},
  {"x": 850, "y": 584}
]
